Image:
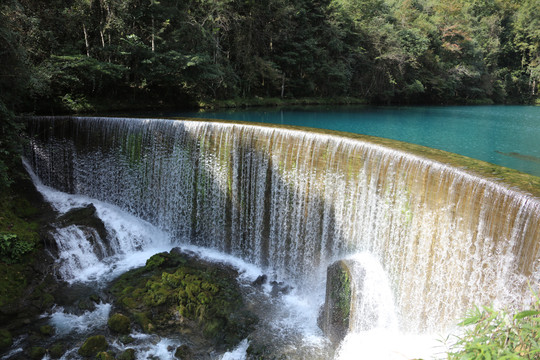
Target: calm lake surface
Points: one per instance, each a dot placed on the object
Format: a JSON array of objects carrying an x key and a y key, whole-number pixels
[{"x": 503, "y": 135}]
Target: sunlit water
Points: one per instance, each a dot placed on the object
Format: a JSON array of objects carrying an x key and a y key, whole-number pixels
[{"x": 504, "y": 135}]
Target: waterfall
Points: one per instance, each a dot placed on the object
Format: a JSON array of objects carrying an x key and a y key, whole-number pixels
[{"x": 295, "y": 200}]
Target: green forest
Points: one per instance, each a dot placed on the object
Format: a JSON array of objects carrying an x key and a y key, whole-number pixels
[
  {"x": 66, "y": 56},
  {"x": 75, "y": 55}
]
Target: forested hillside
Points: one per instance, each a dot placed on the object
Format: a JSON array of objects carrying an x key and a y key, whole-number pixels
[{"x": 69, "y": 55}]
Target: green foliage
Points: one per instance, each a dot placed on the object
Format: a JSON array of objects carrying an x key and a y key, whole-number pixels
[
  {"x": 81, "y": 56},
  {"x": 12, "y": 249},
  {"x": 495, "y": 334},
  {"x": 6, "y": 339}
]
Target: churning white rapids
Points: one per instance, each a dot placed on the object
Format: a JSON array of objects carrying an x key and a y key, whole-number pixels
[{"x": 291, "y": 319}]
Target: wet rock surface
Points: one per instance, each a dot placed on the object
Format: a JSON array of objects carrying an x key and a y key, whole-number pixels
[
  {"x": 335, "y": 313},
  {"x": 87, "y": 220}
]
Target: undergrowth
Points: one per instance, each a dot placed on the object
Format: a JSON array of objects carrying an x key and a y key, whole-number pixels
[{"x": 497, "y": 334}]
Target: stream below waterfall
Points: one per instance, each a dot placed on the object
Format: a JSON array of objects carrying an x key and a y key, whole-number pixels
[{"x": 288, "y": 321}]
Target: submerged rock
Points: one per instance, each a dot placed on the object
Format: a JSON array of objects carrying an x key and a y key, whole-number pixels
[
  {"x": 335, "y": 315},
  {"x": 260, "y": 281},
  {"x": 279, "y": 288}
]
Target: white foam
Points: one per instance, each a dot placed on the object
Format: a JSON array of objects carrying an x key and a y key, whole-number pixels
[
  {"x": 131, "y": 239},
  {"x": 66, "y": 323},
  {"x": 247, "y": 271},
  {"x": 164, "y": 349},
  {"x": 386, "y": 344},
  {"x": 239, "y": 353}
]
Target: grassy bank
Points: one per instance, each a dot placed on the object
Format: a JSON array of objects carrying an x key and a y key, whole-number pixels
[{"x": 498, "y": 334}]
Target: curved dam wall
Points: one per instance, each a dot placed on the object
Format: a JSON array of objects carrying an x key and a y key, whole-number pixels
[{"x": 294, "y": 201}]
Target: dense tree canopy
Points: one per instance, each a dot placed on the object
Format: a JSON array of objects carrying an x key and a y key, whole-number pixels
[{"x": 70, "y": 55}]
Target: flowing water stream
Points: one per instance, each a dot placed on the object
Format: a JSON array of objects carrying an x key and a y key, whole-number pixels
[{"x": 433, "y": 240}]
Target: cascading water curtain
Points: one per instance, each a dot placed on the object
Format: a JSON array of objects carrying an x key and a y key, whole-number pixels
[{"x": 296, "y": 200}]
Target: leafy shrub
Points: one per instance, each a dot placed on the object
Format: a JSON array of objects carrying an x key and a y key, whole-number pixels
[
  {"x": 12, "y": 249},
  {"x": 496, "y": 334}
]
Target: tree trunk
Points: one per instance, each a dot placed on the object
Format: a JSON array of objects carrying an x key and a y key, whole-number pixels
[
  {"x": 86, "y": 40},
  {"x": 153, "y": 35},
  {"x": 282, "y": 85},
  {"x": 102, "y": 38}
]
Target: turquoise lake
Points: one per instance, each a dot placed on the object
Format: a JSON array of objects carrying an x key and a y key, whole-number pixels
[{"x": 505, "y": 135}]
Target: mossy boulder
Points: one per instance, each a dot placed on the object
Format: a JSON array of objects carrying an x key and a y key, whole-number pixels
[
  {"x": 46, "y": 330},
  {"x": 105, "y": 356},
  {"x": 119, "y": 323},
  {"x": 128, "y": 354},
  {"x": 93, "y": 345},
  {"x": 6, "y": 339},
  {"x": 57, "y": 350},
  {"x": 334, "y": 317},
  {"x": 36, "y": 353},
  {"x": 179, "y": 292},
  {"x": 183, "y": 352}
]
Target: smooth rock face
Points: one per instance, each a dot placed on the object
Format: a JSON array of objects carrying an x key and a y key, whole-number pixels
[{"x": 334, "y": 317}]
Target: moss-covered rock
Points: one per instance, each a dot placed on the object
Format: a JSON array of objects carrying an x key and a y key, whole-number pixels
[
  {"x": 36, "y": 353},
  {"x": 126, "y": 339},
  {"x": 183, "y": 352},
  {"x": 128, "y": 354},
  {"x": 119, "y": 323},
  {"x": 93, "y": 345},
  {"x": 46, "y": 330},
  {"x": 179, "y": 292},
  {"x": 6, "y": 339},
  {"x": 57, "y": 350},
  {"x": 86, "y": 305},
  {"x": 334, "y": 317},
  {"x": 104, "y": 356}
]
